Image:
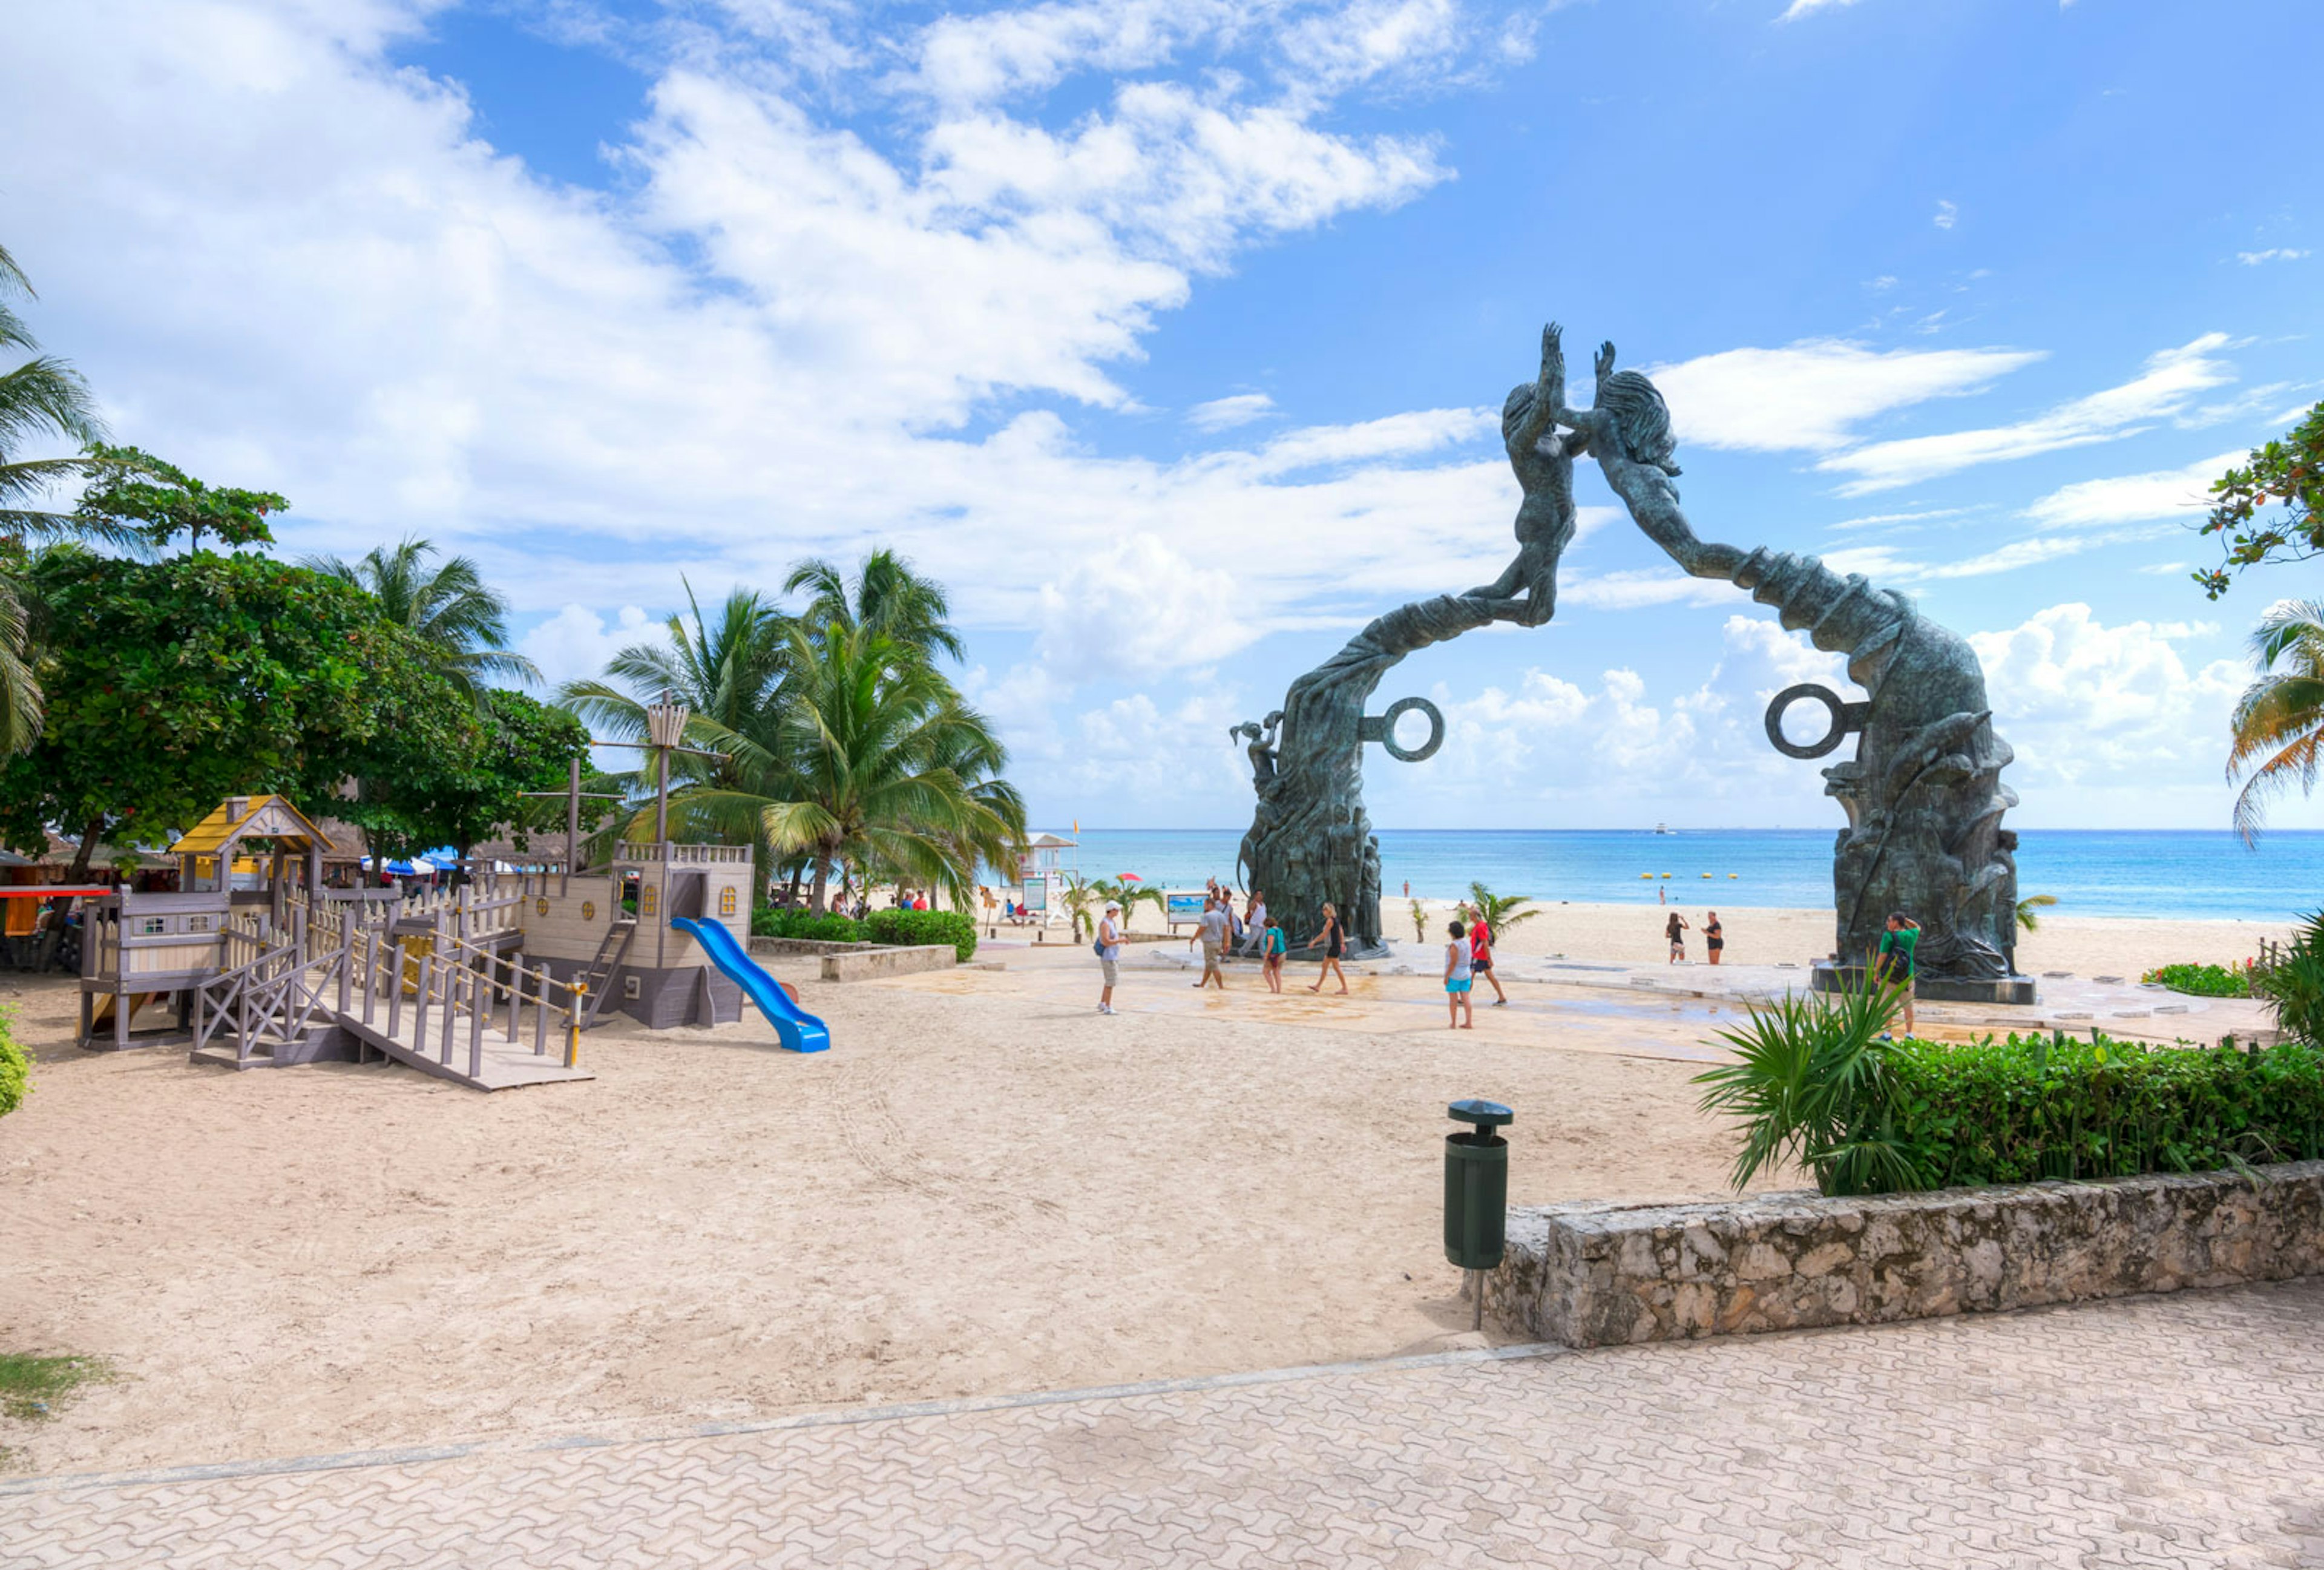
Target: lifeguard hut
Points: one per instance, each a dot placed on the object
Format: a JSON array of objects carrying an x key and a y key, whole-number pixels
[{"x": 143, "y": 950}]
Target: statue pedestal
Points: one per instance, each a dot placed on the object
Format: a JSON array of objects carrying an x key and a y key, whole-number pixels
[{"x": 1828, "y": 977}]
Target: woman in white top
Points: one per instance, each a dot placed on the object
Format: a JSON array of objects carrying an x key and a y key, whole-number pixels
[
  {"x": 1459, "y": 978},
  {"x": 1109, "y": 951}
]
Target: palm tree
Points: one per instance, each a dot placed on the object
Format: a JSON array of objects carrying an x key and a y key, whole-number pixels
[
  {"x": 2026, "y": 908},
  {"x": 856, "y": 765},
  {"x": 885, "y": 596},
  {"x": 451, "y": 607},
  {"x": 726, "y": 668},
  {"x": 42, "y": 399},
  {"x": 1129, "y": 894},
  {"x": 1077, "y": 896},
  {"x": 2278, "y": 726},
  {"x": 1500, "y": 911}
]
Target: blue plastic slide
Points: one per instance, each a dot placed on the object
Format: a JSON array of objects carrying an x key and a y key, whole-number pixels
[{"x": 794, "y": 1026}]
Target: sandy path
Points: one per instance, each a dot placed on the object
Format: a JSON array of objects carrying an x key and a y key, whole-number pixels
[{"x": 973, "y": 1192}]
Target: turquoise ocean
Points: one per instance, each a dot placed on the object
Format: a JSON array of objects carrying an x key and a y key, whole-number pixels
[{"x": 2091, "y": 871}]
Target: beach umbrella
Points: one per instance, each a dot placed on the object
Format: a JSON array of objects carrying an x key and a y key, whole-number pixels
[{"x": 1129, "y": 878}]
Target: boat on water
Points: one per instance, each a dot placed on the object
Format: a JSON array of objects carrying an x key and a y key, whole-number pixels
[{"x": 1659, "y": 828}]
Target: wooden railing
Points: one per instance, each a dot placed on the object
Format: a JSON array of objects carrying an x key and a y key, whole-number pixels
[
  {"x": 685, "y": 854},
  {"x": 271, "y": 993},
  {"x": 464, "y": 986}
]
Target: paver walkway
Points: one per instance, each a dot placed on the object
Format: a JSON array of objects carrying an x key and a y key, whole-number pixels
[{"x": 2173, "y": 1432}]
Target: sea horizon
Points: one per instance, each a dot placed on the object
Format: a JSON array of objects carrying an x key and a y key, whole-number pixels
[{"x": 2156, "y": 873}]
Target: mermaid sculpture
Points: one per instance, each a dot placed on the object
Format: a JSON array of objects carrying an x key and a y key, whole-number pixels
[{"x": 1924, "y": 793}]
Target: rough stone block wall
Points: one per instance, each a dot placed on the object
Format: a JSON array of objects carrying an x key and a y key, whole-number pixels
[
  {"x": 1599, "y": 1274},
  {"x": 864, "y": 965}
]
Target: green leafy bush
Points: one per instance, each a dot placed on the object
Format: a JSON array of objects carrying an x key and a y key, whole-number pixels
[
  {"x": 767, "y": 921},
  {"x": 2293, "y": 981},
  {"x": 1817, "y": 1085},
  {"x": 2203, "y": 981},
  {"x": 15, "y": 1069},
  {"x": 916, "y": 926}
]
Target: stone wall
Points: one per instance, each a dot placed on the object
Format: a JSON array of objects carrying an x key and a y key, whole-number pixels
[
  {"x": 792, "y": 947},
  {"x": 1599, "y": 1274},
  {"x": 869, "y": 964}
]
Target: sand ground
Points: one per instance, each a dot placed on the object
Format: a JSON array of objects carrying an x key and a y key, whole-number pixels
[{"x": 982, "y": 1189}]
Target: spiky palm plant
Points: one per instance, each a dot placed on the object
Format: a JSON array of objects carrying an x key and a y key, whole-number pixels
[
  {"x": 447, "y": 604},
  {"x": 883, "y": 596},
  {"x": 1131, "y": 895},
  {"x": 2027, "y": 909},
  {"x": 2278, "y": 725},
  {"x": 1807, "y": 1086},
  {"x": 1500, "y": 911}
]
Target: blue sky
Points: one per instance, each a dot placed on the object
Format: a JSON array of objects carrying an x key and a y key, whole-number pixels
[{"x": 1171, "y": 337}]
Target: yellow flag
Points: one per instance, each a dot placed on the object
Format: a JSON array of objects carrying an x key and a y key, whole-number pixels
[{"x": 1077, "y": 826}]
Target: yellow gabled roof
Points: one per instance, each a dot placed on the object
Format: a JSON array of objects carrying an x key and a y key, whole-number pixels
[{"x": 243, "y": 817}]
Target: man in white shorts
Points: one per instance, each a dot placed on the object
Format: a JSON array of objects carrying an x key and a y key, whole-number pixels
[
  {"x": 1109, "y": 955},
  {"x": 1254, "y": 923}
]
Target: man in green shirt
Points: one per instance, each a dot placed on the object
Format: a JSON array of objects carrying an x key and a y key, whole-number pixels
[{"x": 1894, "y": 963}]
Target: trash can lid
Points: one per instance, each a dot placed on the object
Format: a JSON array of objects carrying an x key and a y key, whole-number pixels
[{"x": 1485, "y": 1114}]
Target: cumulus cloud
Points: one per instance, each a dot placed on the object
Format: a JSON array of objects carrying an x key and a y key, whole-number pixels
[
  {"x": 2273, "y": 253},
  {"x": 1139, "y": 606},
  {"x": 576, "y": 641},
  {"x": 2117, "y": 708}
]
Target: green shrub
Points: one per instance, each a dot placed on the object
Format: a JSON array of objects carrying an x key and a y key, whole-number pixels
[
  {"x": 916, "y": 927},
  {"x": 767, "y": 922},
  {"x": 2292, "y": 979},
  {"x": 15, "y": 1069},
  {"x": 1816, "y": 1084},
  {"x": 2203, "y": 981}
]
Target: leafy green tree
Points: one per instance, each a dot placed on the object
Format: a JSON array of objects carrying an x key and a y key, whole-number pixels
[
  {"x": 137, "y": 493},
  {"x": 458, "y": 796},
  {"x": 2278, "y": 725},
  {"x": 884, "y": 597},
  {"x": 2289, "y": 474},
  {"x": 42, "y": 399},
  {"x": 198, "y": 676},
  {"x": 447, "y": 606}
]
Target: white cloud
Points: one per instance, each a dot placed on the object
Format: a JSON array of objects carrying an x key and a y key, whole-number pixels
[
  {"x": 2165, "y": 387},
  {"x": 1636, "y": 588},
  {"x": 2115, "y": 707},
  {"x": 1811, "y": 395},
  {"x": 2273, "y": 253},
  {"x": 1225, "y": 413},
  {"x": 1139, "y": 606},
  {"x": 1800, "y": 8},
  {"x": 1948, "y": 214},
  {"x": 2133, "y": 498},
  {"x": 576, "y": 643}
]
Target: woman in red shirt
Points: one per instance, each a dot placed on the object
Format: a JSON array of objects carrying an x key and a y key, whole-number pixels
[{"x": 1481, "y": 958}]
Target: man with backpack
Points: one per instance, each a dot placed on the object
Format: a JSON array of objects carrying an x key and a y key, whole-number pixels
[{"x": 1109, "y": 955}]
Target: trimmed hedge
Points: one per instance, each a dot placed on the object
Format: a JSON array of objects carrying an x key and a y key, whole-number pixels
[
  {"x": 15, "y": 1069},
  {"x": 767, "y": 921},
  {"x": 903, "y": 927},
  {"x": 895, "y": 928},
  {"x": 2202, "y": 981},
  {"x": 2047, "y": 1106}
]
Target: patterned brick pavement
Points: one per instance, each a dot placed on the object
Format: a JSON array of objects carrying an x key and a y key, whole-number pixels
[{"x": 2166, "y": 1432}]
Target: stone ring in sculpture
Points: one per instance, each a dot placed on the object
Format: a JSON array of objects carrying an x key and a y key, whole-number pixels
[
  {"x": 1845, "y": 717},
  {"x": 1382, "y": 729}
]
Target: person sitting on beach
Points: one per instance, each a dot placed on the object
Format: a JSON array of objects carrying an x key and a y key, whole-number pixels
[
  {"x": 1458, "y": 962},
  {"x": 1893, "y": 963},
  {"x": 1272, "y": 945},
  {"x": 1675, "y": 930}
]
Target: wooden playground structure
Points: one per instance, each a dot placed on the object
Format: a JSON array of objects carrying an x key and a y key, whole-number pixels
[{"x": 489, "y": 984}]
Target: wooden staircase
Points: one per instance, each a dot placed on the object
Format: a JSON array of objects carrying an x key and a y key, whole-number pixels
[{"x": 597, "y": 980}]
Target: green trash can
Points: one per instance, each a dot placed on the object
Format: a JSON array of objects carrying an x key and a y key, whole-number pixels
[{"x": 1477, "y": 1185}]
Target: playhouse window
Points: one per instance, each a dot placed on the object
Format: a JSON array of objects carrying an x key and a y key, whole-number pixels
[
  {"x": 154, "y": 924},
  {"x": 726, "y": 901},
  {"x": 197, "y": 924}
]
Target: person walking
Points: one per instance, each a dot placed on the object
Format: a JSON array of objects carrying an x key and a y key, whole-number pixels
[
  {"x": 1711, "y": 936},
  {"x": 1892, "y": 963},
  {"x": 1109, "y": 953},
  {"x": 1675, "y": 930},
  {"x": 1254, "y": 924},
  {"x": 1334, "y": 942},
  {"x": 1211, "y": 934},
  {"x": 1272, "y": 946},
  {"x": 1481, "y": 958},
  {"x": 1460, "y": 961}
]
